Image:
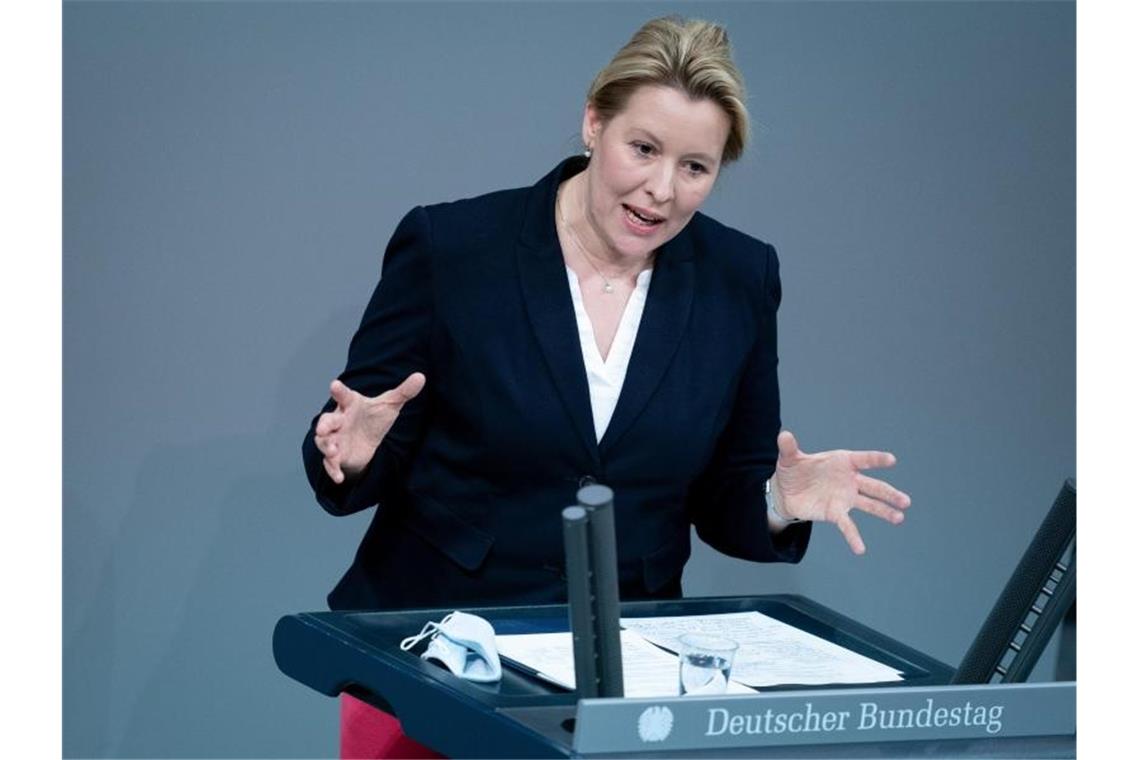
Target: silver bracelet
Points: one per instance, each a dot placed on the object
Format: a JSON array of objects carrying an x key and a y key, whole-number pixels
[{"x": 770, "y": 499}]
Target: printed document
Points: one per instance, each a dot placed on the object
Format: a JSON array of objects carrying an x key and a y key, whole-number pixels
[
  {"x": 771, "y": 652},
  {"x": 647, "y": 671}
]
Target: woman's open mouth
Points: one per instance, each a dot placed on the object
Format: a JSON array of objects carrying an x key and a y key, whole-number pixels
[{"x": 640, "y": 219}]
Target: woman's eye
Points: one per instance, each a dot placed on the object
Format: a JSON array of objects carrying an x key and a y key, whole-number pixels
[
  {"x": 643, "y": 149},
  {"x": 696, "y": 168}
]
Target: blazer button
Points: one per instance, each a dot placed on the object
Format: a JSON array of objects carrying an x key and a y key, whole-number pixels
[{"x": 586, "y": 480}]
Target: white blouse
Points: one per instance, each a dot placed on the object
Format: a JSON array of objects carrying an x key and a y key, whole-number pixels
[{"x": 606, "y": 376}]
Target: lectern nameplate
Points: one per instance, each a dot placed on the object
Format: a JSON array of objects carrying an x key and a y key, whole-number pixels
[{"x": 832, "y": 716}]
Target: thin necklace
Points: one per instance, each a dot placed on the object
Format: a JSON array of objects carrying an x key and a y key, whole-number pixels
[{"x": 607, "y": 287}]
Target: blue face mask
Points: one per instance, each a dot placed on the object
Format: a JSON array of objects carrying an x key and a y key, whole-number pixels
[{"x": 462, "y": 643}]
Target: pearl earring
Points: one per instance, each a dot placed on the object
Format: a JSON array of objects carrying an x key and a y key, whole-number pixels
[{"x": 588, "y": 152}]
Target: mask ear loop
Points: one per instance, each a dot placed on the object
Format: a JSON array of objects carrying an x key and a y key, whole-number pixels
[
  {"x": 428, "y": 629},
  {"x": 431, "y": 628}
]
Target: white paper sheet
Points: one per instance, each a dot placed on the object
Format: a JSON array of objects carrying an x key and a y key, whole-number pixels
[
  {"x": 647, "y": 671},
  {"x": 771, "y": 652}
]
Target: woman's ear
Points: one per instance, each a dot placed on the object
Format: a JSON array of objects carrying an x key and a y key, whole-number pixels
[{"x": 591, "y": 125}]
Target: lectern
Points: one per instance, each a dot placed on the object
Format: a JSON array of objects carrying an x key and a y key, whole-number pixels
[
  {"x": 932, "y": 712},
  {"x": 521, "y": 716}
]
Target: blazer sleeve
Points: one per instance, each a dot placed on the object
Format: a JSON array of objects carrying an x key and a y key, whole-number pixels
[
  {"x": 391, "y": 342},
  {"x": 726, "y": 503}
]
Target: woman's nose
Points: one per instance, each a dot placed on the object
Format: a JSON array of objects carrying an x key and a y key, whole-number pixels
[{"x": 660, "y": 183}]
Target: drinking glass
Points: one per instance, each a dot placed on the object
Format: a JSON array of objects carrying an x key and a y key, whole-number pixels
[{"x": 706, "y": 662}]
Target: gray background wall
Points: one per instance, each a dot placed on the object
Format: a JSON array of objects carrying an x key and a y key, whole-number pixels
[{"x": 233, "y": 170}]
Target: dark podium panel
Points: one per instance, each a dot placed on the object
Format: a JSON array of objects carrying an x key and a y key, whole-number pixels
[{"x": 522, "y": 716}]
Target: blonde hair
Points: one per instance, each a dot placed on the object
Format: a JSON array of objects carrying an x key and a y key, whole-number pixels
[{"x": 691, "y": 55}]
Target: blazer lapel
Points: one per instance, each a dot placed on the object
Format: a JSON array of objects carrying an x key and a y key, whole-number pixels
[
  {"x": 546, "y": 292},
  {"x": 662, "y": 325}
]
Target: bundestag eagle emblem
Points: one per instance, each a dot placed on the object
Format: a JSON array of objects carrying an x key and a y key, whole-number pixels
[{"x": 655, "y": 724}]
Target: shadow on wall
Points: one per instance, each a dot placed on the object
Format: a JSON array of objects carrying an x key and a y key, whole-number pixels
[
  {"x": 222, "y": 537},
  {"x": 203, "y": 689},
  {"x": 88, "y": 666}
]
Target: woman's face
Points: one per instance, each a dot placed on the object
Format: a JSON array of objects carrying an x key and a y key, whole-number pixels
[{"x": 653, "y": 165}]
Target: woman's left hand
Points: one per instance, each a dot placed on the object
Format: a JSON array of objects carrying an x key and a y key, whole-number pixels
[{"x": 829, "y": 484}]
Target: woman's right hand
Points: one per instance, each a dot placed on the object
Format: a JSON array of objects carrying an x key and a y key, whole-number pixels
[{"x": 349, "y": 435}]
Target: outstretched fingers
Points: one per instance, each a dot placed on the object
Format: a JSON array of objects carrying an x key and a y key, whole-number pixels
[
  {"x": 883, "y": 491},
  {"x": 872, "y": 460},
  {"x": 332, "y": 467},
  {"x": 326, "y": 444},
  {"x": 341, "y": 393},
  {"x": 328, "y": 423},
  {"x": 878, "y": 509},
  {"x": 787, "y": 444},
  {"x": 847, "y": 527},
  {"x": 405, "y": 391}
]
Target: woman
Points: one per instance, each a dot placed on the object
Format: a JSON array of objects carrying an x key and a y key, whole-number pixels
[{"x": 592, "y": 328}]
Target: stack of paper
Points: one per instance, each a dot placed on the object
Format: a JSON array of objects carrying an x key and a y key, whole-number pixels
[
  {"x": 647, "y": 670},
  {"x": 771, "y": 652}
]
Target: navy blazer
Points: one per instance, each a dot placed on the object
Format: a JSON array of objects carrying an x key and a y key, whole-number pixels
[{"x": 472, "y": 478}]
